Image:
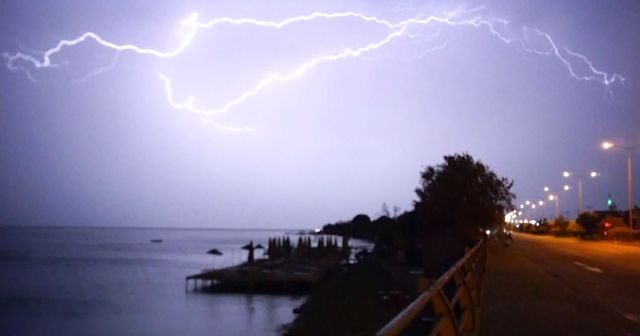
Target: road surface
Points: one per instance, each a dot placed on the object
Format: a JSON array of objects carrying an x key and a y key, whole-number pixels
[{"x": 544, "y": 285}]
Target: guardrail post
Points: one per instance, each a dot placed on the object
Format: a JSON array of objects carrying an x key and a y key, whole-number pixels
[
  {"x": 467, "y": 275},
  {"x": 468, "y": 320},
  {"x": 444, "y": 311}
]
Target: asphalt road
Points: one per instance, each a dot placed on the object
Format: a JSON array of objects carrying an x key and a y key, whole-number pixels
[{"x": 543, "y": 285}]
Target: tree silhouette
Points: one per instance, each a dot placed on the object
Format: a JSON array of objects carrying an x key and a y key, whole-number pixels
[
  {"x": 384, "y": 211},
  {"x": 463, "y": 195},
  {"x": 457, "y": 201},
  {"x": 559, "y": 226},
  {"x": 590, "y": 221}
]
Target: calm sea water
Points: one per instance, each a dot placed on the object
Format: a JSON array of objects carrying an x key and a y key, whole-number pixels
[{"x": 113, "y": 281}]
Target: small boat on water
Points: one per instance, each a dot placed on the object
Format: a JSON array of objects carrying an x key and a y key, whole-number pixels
[{"x": 156, "y": 240}]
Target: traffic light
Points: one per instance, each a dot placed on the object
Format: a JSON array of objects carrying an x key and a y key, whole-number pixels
[{"x": 609, "y": 201}]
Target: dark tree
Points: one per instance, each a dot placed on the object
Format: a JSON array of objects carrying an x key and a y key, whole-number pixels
[
  {"x": 463, "y": 195},
  {"x": 384, "y": 211},
  {"x": 396, "y": 211},
  {"x": 361, "y": 225},
  {"x": 457, "y": 201},
  {"x": 560, "y": 226},
  {"x": 590, "y": 222},
  {"x": 361, "y": 219}
]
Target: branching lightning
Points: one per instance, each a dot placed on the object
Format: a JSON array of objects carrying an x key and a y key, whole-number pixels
[
  {"x": 409, "y": 28},
  {"x": 280, "y": 78},
  {"x": 100, "y": 70}
]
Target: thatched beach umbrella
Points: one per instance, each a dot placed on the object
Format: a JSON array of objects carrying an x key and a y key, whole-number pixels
[
  {"x": 260, "y": 247},
  {"x": 214, "y": 252}
]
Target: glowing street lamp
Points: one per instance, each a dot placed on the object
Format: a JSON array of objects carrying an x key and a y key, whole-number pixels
[
  {"x": 555, "y": 197},
  {"x": 530, "y": 206},
  {"x": 591, "y": 174},
  {"x": 608, "y": 145}
]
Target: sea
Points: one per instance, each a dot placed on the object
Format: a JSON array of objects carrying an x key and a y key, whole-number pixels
[{"x": 116, "y": 281}]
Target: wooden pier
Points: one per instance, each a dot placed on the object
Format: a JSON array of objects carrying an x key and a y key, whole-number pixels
[
  {"x": 262, "y": 276},
  {"x": 289, "y": 269}
]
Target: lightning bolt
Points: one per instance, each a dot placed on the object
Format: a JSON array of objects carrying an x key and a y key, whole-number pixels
[
  {"x": 100, "y": 70},
  {"x": 279, "y": 78},
  {"x": 409, "y": 28}
]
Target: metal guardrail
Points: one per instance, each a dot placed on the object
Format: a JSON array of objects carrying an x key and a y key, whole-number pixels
[{"x": 450, "y": 306}]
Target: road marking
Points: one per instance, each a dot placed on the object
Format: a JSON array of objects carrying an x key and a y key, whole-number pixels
[
  {"x": 634, "y": 318},
  {"x": 588, "y": 268}
]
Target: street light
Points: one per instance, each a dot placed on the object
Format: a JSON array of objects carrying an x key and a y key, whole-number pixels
[
  {"x": 591, "y": 174},
  {"x": 608, "y": 145},
  {"x": 530, "y": 206},
  {"x": 555, "y": 197}
]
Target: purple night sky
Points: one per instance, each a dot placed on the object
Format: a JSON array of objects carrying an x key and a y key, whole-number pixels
[{"x": 341, "y": 138}]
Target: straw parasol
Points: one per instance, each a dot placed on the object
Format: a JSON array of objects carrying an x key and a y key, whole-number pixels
[{"x": 214, "y": 252}]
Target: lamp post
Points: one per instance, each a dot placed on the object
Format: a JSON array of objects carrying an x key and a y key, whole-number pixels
[
  {"x": 554, "y": 196},
  {"x": 568, "y": 174},
  {"x": 628, "y": 149}
]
